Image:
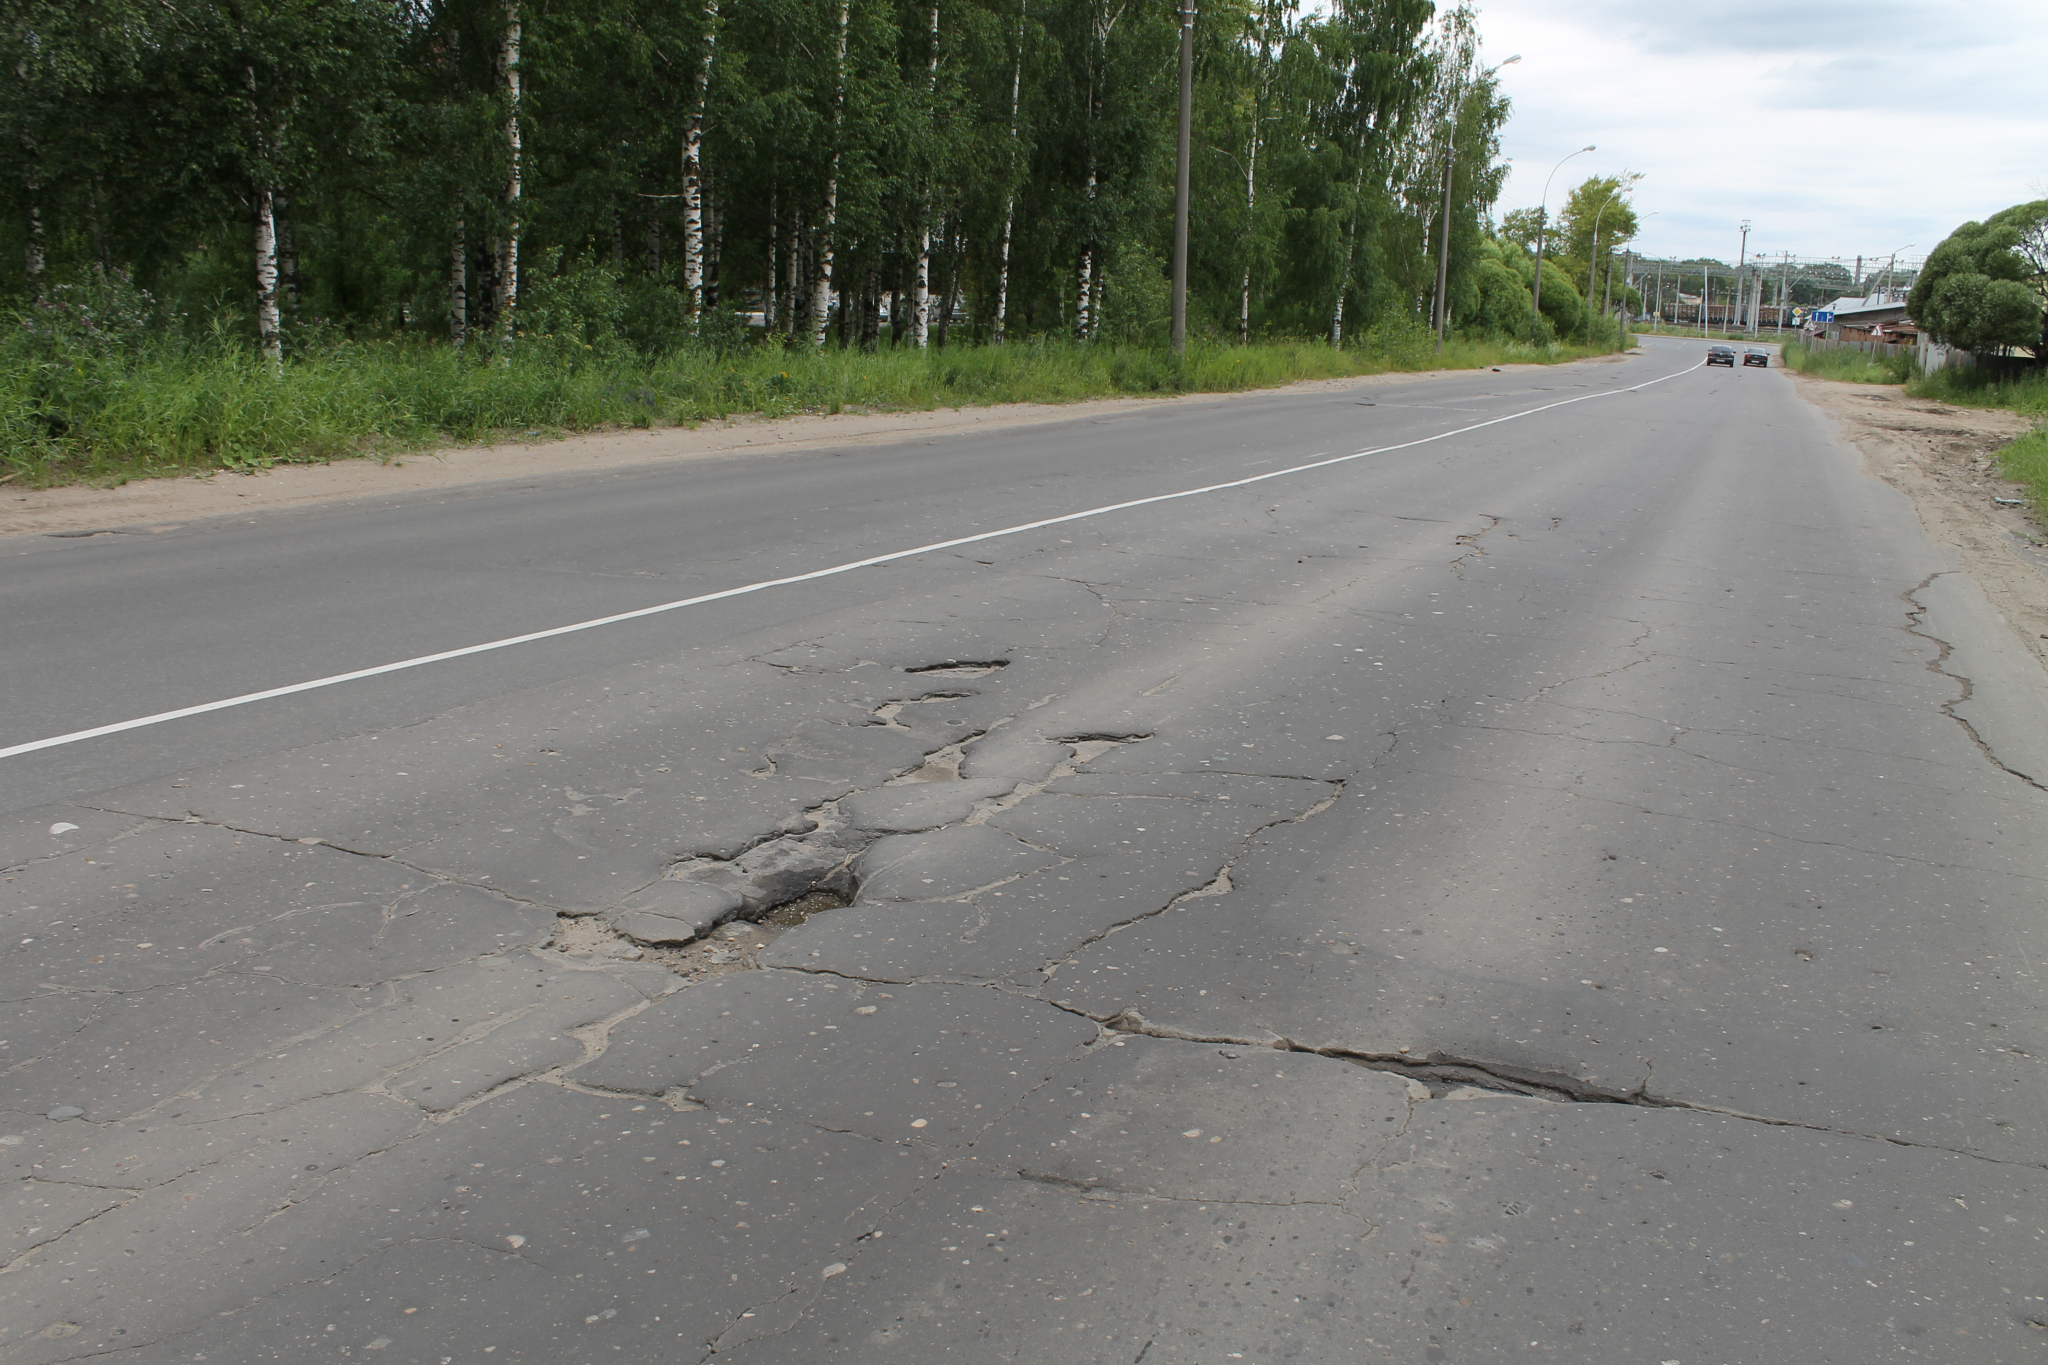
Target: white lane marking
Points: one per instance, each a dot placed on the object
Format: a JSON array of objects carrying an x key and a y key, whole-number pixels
[{"x": 508, "y": 642}]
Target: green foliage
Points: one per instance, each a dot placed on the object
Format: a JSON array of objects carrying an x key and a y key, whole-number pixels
[
  {"x": 1983, "y": 288},
  {"x": 1600, "y": 202},
  {"x": 1562, "y": 306},
  {"x": 2025, "y": 461},
  {"x": 175, "y": 405},
  {"x": 1972, "y": 387},
  {"x": 1849, "y": 365},
  {"x": 142, "y": 133}
]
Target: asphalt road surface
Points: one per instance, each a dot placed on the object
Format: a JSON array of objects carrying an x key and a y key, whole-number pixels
[{"x": 1565, "y": 884}]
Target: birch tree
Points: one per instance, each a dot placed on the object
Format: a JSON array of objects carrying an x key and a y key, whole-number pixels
[
  {"x": 693, "y": 167},
  {"x": 508, "y": 230},
  {"x": 821, "y": 291},
  {"x": 921, "y": 286}
]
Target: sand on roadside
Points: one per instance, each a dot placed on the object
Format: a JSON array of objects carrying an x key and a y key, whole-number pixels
[
  {"x": 172, "y": 502},
  {"x": 1945, "y": 459}
]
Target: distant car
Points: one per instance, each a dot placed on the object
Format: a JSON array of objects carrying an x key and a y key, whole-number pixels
[
  {"x": 1756, "y": 355},
  {"x": 1721, "y": 355}
]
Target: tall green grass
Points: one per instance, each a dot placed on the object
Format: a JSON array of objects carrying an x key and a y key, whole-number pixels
[
  {"x": 2026, "y": 392},
  {"x": 107, "y": 413},
  {"x": 2025, "y": 461},
  {"x": 1850, "y": 366}
]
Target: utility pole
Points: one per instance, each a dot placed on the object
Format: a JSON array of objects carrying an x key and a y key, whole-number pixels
[
  {"x": 1180, "y": 177},
  {"x": 1741, "y": 260}
]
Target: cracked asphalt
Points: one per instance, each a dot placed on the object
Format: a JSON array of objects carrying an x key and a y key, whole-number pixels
[{"x": 1572, "y": 890}]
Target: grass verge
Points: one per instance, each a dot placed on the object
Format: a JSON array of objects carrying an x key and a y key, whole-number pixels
[
  {"x": 2025, "y": 461},
  {"x": 1849, "y": 366},
  {"x": 109, "y": 415}
]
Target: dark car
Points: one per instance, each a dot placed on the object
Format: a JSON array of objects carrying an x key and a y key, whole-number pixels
[
  {"x": 1756, "y": 355},
  {"x": 1721, "y": 355}
]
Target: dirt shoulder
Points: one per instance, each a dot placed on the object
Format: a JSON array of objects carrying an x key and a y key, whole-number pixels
[
  {"x": 1944, "y": 458},
  {"x": 169, "y": 503}
]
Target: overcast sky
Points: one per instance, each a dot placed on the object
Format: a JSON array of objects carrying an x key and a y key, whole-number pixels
[{"x": 1835, "y": 127}]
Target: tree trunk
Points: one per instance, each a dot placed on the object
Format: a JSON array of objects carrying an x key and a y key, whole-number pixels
[
  {"x": 650, "y": 254},
  {"x": 951, "y": 299},
  {"x": 870, "y": 310},
  {"x": 508, "y": 241},
  {"x": 774, "y": 284},
  {"x": 821, "y": 297},
  {"x": 32, "y": 254},
  {"x": 1084, "y": 290},
  {"x": 714, "y": 247},
  {"x": 458, "y": 286},
  {"x": 1251, "y": 201},
  {"x": 267, "y": 331},
  {"x": 1344, "y": 269},
  {"x": 797, "y": 273},
  {"x": 287, "y": 255},
  {"x": 1251, "y": 174},
  {"x": 693, "y": 168},
  {"x": 921, "y": 286},
  {"x": 1010, "y": 187}
]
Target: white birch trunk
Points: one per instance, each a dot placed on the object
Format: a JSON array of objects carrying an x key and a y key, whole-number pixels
[
  {"x": 1251, "y": 174},
  {"x": 1010, "y": 193},
  {"x": 1083, "y": 295},
  {"x": 921, "y": 283},
  {"x": 32, "y": 254},
  {"x": 1344, "y": 271},
  {"x": 458, "y": 285},
  {"x": 693, "y": 169},
  {"x": 1003, "y": 270},
  {"x": 821, "y": 296},
  {"x": 267, "y": 330},
  {"x": 508, "y": 242},
  {"x": 1084, "y": 291},
  {"x": 796, "y": 269}
]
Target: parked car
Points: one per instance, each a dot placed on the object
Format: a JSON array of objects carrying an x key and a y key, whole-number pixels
[
  {"x": 1757, "y": 355},
  {"x": 1721, "y": 355}
]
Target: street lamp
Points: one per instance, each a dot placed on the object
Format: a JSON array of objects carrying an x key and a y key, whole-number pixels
[
  {"x": 1443, "y": 256},
  {"x": 1593, "y": 256},
  {"x": 1542, "y": 220}
]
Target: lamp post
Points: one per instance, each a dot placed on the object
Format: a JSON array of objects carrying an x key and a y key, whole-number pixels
[
  {"x": 1180, "y": 177},
  {"x": 1542, "y": 220},
  {"x": 1593, "y": 259}
]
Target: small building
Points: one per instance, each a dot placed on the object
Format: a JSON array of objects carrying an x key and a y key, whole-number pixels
[{"x": 1863, "y": 319}]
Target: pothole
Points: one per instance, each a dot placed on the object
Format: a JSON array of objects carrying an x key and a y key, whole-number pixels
[
  {"x": 960, "y": 668},
  {"x": 734, "y": 946}
]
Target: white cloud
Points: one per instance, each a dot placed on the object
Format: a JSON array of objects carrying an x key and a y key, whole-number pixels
[{"x": 1838, "y": 128}]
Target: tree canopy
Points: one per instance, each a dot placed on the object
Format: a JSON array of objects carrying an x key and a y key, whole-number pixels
[
  {"x": 1984, "y": 288},
  {"x": 1006, "y": 165}
]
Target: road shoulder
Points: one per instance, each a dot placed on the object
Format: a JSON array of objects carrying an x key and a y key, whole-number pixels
[
  {"x": 1944, "y": 460},
  {"x": 171, "y": 503}
]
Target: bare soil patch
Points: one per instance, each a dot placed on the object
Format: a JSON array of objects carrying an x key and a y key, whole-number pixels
[{"x": 1945, "y": 459}]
